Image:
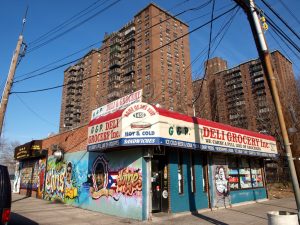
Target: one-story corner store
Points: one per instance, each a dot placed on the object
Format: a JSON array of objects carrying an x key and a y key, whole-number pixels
[{"x": 144, "y": 159}]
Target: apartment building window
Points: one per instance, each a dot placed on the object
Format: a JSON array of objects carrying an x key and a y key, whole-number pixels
[
  {"x": 180, "y": 172},
  {"x": 147, "y": 42},
  {"x": 147, "y": 77},
  {"x": 147, "y": 68},
  {"x": 147, "y": 34}
]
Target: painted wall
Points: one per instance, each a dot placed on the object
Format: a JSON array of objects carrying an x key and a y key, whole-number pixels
[
  {"x": 219, "y": 188},
  {"x": 106, "y": 182},
  {"x": 248, "y": 195},
  {"x": 117, "y": 183},
  {"x": 187, "y": 201}
]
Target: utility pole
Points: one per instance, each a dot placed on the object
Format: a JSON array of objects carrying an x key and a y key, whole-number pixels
[
  {"x": 261, "y": 45},
  {"x": 10, "y": 76}
]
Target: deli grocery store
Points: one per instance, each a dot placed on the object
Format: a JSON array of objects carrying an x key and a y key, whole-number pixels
[{"x": 143, "y": 159}]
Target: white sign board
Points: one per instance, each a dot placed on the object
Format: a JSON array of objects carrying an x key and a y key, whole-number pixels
[{"x": 120, "y": 103}]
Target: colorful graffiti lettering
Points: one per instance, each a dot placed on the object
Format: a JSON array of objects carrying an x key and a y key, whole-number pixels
[
  {"x": 55, "y": 182},
  {"x": 129, "y": 181},
  {"x": 113, "y": 183}
]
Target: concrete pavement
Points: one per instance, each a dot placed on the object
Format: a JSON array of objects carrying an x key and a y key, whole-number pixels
[{"x": 32, "y": 211}]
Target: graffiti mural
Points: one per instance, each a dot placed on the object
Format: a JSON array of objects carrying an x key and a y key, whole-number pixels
[
  {"x": 115, "y": 181},
  {"x": 110, "y": 183},
  {"x": 65, "y": 180},
  {"x": 29, "y": 175},
  {"x": 54, "y": 185},
  {"x": 127, "y": 181},
  {"x": 41, "y": 176},
  {"x": 221, "y": 188}
]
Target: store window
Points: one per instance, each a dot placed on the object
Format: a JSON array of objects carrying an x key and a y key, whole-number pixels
[
  {"x": 256, "y": 173},
  {"x": 244, "y": 173}
]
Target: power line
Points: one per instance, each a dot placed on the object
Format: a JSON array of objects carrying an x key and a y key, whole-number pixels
[
  {"x": 285, "y": 42},
  {"x": 150, "y": 52},
  {"x": 281, "y": 19},
  {"x": 209, "y": 47},
  {"x": 73, "y": 27},
  {"x": 277, "y": 42},
  {"x": 65, "y": 23},
  {"x": 283, "y": 34},
  {"x": 35, "y": 113},
  {"x": 291, "y": 13},
  {"x": 224, "y": 26},
  {"x": 45, "y": 66},
  {"x": 59, "y": 60},
  {"x": 59, "y": 66}
]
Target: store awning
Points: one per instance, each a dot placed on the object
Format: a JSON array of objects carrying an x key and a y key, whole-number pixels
[{"x": 144, "y": 124}]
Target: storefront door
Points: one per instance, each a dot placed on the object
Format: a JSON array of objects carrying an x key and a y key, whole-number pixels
[{"x": 159, "y": 180}]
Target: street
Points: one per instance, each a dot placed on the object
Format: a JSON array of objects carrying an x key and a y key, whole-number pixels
[{"x": 32, "y": 211}]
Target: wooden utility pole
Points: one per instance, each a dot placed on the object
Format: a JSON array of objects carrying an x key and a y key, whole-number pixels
[
  {"x": 261, "y": 45},
  {"x": 11, "y": 74},
  {"x": 9, "y": 81}
]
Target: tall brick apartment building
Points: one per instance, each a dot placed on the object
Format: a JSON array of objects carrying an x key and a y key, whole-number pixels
[
  {"x": 240, "y": 96},
  {"x": 127, "y": 62}
]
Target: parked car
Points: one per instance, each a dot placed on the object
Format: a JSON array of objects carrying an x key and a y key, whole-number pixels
[{"x": 5, "y": 195}]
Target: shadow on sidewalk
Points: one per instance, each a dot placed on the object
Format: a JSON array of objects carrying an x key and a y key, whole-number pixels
[
  {"x": 208, "y": 219},
  {"x": 248, "y": 214},
  {"x": 261, "y": 203},
  {"x": 16, "y": 219},
  {"x": 20, "y": 199}
]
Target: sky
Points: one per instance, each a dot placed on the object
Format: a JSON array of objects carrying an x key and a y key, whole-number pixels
[{"x": 36, "y": 115}]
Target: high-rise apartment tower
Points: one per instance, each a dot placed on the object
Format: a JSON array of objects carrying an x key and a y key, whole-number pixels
[{"x": 136, "y": 57}]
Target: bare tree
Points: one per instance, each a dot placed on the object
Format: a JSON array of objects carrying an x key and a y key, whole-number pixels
[{"x": 7, "y": 149}]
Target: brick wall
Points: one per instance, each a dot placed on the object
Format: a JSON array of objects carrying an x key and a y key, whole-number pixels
[{"x": 70, "y": 141}]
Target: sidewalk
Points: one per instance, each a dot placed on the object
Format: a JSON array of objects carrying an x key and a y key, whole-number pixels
[{"x": 32, "y": 211}]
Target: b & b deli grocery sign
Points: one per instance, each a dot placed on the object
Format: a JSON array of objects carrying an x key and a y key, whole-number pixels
[{"x": 144, "y": 124}]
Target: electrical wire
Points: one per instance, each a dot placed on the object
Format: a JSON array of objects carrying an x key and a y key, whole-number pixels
[
  {"x": 73, "y": 27},
  {"x": 281, "y": 47},
  {"x": 223, "y": 27},
  {"x": 291, "y": 13},
  {"x": 45, "y": 66},
  {"x": 100, "y": 50},
  {"x": 59, "y": 60},
  {"x": 34, "y": 112},
  {"x": 280, "y": 18},
  {"x": 282, "y": 33},
  {"x": 208, "y": 53},
  {"x": 65, "y": 23},
  {"x": 148, "y": 53}
]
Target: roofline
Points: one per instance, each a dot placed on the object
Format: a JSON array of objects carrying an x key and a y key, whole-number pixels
[
  {"x": 153, "y": 4},
  {"x": 79, "y": 61}
]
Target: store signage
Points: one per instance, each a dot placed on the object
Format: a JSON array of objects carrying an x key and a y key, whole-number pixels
[
  {"x": 139, "y": 124},
  {"x": 120, "y": 103},
  {"x": 104, "y": 132},
  {"x": 230, "y": 139},
  {"x": 28, "y": 150},
  {"x": 142, "y": 124}
]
